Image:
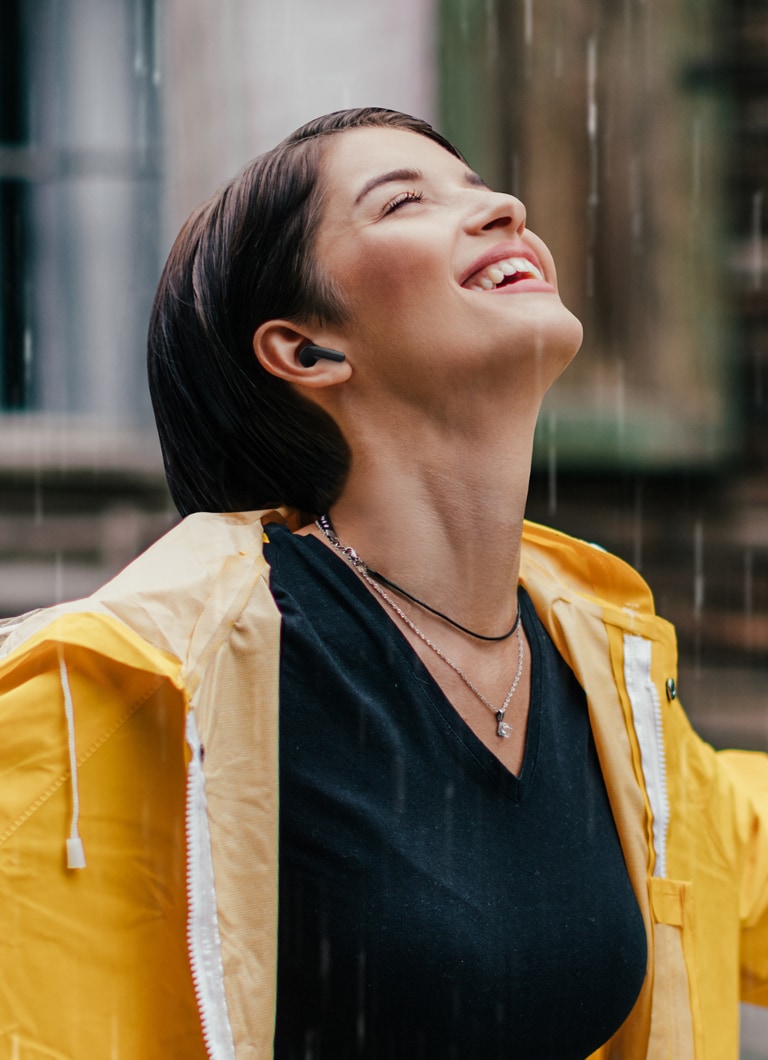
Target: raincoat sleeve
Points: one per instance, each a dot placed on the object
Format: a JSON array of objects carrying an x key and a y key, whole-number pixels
[
  {"x": 747, "y": 776},
  {"x": 93, "y": 760},
  {"x": 719, "y": 840}
]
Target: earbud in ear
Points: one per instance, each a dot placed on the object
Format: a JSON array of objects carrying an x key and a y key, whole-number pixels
[{"x": 309, "y": 355}]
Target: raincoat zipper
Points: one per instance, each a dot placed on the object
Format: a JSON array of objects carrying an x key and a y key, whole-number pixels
[
  {"x": 203, "y": 940},
  {"x": 646, "y": 714}
]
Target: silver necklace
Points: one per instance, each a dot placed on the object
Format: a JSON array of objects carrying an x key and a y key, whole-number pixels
[
  {"x": 503, "y": 728},
  {"x": 325, "y": 524}
]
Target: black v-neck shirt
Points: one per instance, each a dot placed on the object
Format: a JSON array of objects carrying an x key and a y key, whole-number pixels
[{"x": 432, "y": 903}]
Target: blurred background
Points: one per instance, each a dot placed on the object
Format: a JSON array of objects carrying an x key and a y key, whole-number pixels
[{"x": 636, "y": 131}]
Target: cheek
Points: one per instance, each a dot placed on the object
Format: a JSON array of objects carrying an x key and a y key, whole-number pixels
[{"x": 390, "y": 275}]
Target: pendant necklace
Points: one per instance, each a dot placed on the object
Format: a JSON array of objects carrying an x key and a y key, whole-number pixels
[{"x": 503, "y": 728}]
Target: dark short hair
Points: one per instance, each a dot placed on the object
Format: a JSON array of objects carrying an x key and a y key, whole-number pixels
[{"x": 233, "y": 436}]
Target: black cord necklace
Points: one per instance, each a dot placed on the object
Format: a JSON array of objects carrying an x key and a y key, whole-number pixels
[{"x": 325, "y": 525}]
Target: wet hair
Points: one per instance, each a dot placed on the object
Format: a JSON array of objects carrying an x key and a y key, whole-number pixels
[{"x": 235, "y": 437}]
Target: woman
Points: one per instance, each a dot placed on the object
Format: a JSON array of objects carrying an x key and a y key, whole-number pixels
[{"x": 494, "y": 819}]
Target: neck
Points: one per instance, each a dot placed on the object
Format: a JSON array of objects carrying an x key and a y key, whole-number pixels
[{"x": 440, "y": 511}]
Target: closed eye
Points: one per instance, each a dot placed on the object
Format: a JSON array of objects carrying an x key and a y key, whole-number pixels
[{"x": 401, "y": 199}]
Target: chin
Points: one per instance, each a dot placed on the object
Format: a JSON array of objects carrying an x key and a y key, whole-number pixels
[
  {"x": 554, "y": 346},
  {"x": 575, "y": 335},
  {"x": 559, "y": 338}
]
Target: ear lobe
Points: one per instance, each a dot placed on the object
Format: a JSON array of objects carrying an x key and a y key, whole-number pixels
[{"x": 284, "y": 351}]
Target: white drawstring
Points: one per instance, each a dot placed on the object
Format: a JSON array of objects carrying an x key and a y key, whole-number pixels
[{"x": 75, "y": 852}]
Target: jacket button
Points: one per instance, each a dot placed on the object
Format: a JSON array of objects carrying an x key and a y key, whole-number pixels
[{"x": 671, "y": 689}]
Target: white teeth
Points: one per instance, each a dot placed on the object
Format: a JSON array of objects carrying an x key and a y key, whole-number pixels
[
  {"x": 494, "y": 274},
  {"x": 523, "y": 265}
]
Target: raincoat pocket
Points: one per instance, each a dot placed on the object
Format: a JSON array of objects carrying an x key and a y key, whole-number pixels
[{"x": 674, "y": 1004}]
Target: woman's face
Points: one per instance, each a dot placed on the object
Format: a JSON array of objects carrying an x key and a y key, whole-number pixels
[{"x": 439, "y": 273}]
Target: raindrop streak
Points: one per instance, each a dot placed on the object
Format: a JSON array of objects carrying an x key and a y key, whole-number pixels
[
  {"x": 39, "y": 497},
  {"x": 637, "y": 528},
  {"x": 748, "y": 593},
  {"x": 621, "y": 404},
  {"x": 361, "y": 962},
  {"x": 696, "y": 173},
  {"x": 491, "y": 35},
  {"x": 325, "y": 955},
  {"x": 558, "y": 71},
  {"x": 464, "y": 19},
  {"x": 698, "y": 569},
  {"x": 528, "y": 36},
  {"x": 636, "y": 200},
  {"x": 592, "y": 126},
  {"x": 757, "y": 390},
  {"x": 552, "y": 464},
  {"x": 156, "y": 72},
  {"x": 528, "y": 22},
  {"x": 592, "y": 117},
  {"x": 27, "y": 360},
  {"x": 757, "y": 241},
  {"x": 58, "y": 579},
  {"x": 698, "y": 592},
  {"x": 139, "y": 56}
]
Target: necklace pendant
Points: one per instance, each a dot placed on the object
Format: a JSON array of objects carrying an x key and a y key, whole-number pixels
[{"x": 502, "y": 729}]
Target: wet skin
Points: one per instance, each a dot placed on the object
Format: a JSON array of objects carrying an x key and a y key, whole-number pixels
[{"x": 406, "y": 226}]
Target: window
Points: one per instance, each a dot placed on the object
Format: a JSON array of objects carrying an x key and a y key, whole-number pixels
[{"x": 79, "y": 200}]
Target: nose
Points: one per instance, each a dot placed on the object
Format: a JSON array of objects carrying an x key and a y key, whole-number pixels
[{"x": 499, "y": 211}]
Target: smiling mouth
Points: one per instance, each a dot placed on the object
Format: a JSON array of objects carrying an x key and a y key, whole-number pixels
[{"x": 502, "y": 274}]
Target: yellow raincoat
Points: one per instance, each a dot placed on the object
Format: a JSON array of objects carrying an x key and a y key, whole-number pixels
[{"x": 139, "y": 729}]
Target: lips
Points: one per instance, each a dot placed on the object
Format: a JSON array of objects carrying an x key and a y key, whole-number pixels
[{"x": 504, "y": 266}]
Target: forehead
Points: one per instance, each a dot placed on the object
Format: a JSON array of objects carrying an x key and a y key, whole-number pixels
[{"x": 356, "y": 156}]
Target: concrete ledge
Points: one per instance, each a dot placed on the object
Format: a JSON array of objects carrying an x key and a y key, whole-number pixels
[
  {"x": 25, "y": 586},
  {"x": 38, "y": 444}
]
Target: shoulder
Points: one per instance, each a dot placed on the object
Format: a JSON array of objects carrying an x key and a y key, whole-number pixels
[
  {"x": 582, "y": 569},
  {"x": 198, "y": 577}
]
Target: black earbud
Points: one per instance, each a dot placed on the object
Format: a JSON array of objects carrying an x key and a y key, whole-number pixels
[{"x": 310, "y": 355}]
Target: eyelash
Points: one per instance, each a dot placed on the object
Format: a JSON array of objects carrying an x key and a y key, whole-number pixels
[{"x": 401, "y": 199}]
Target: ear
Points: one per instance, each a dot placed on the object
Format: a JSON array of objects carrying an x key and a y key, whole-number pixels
[{"x": 277, "y": 345}]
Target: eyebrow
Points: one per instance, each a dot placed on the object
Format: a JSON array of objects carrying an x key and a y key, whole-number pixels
[{"x": 398, "y": 175}]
